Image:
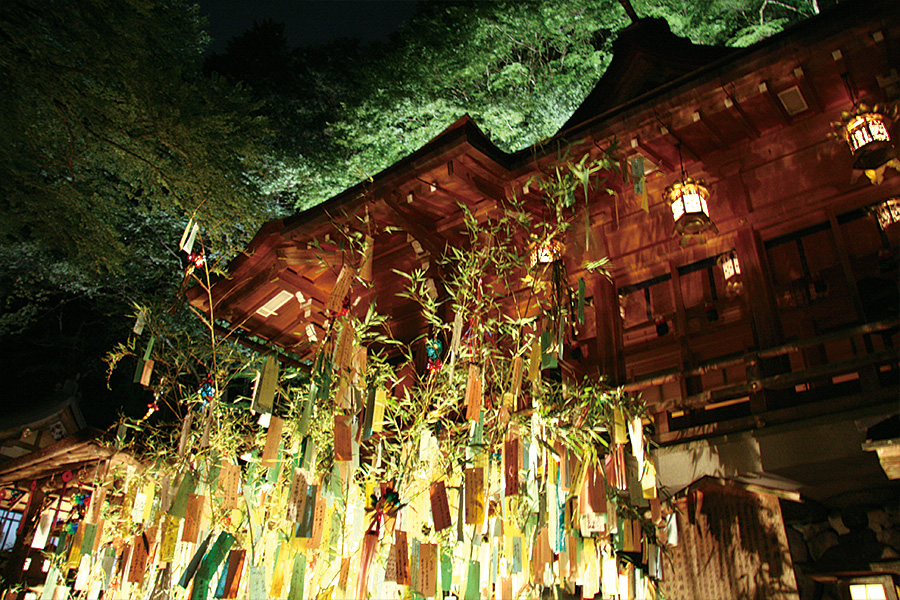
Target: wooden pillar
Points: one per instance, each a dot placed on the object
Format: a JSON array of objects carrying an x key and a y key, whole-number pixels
[
  {"x": 764, "y": 318},
  {"x": 610, "y": 350},
  {"x": 689, "y": 385},
  {"x": 14, "y": 573}
]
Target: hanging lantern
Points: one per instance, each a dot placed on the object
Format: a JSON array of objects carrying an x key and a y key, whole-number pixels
[
  {"x": 730, "y": 265},
  {"x": 689, "y": 206},
  {"x": 888, "y": 213},
  {"x": 546, "y": 252},
  {"x": 866, "y": 132},
  {"x": 731, "y": 270}
]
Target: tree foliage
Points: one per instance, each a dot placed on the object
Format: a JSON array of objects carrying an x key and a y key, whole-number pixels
[{"x": 108, "y": 122}]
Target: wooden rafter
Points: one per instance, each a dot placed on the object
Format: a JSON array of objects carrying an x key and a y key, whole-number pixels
[{"x": 422, "y": 229}]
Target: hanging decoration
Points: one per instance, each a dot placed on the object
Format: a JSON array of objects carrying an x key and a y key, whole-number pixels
[
  {"x": 731, "y": 271},
  {"x": 867, "y": 132},
  {"x": 887, "y": 213},
  {"x": 434, "y": 348},
  {"x": 546, "y": 252},
  {"x": 505, "y": 479},
  {"x": 689, "y": 201}
]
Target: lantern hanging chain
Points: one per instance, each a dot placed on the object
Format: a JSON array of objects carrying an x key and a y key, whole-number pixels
[
  {"x": 680, "y": 162},
  {"x": 848, "y": 83}
]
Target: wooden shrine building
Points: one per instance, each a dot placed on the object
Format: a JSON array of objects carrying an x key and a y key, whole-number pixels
[{"x": 773, "y": 379}]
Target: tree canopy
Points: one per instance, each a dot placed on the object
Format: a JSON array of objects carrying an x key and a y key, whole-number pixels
[{"x": 115, "y": 132}]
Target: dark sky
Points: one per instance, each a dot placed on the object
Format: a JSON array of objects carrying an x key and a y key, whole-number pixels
[{"x": 307, "y": 22}]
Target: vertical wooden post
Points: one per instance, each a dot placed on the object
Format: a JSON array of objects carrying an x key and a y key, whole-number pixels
[
  {"x": 764, "y": 318},
  {"x": 610, "y": 347},
  {"x": 14, "y": 573}
]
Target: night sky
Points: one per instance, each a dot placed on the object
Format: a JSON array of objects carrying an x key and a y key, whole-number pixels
[{"x": 307, "y": 22}]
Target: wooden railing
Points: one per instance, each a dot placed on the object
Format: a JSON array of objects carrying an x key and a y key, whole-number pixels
[{"x": 774, "y": 390}]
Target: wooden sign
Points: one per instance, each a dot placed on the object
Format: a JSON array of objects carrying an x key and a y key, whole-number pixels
[
  {"x": 297, "y": 497},
  {"x": 192, "y": 517},
  {"x": 169, "y": 539},
  {"x": 474, "y": 393},
  {"x": 264, "y": 392},
  {"x": 474, "y": 495},
  {"x": 428, "y": 570},
  {"x": 341, "y": 289},
  {"x": 343, "y": 354},
  {"x": 146, "y": 373},
  {"x": 235, "y": 568},
  {"x": 596, "y": 490},
  {"x": 365, "y": 271},
  {"x": 98, "y": 497},
  {"x": 378, "y": 413},
  {"x": 511, "y": 466},
  {"x": 440, "y": 506},
  {"x": 139, "y": 552},
  {"x": 344, "y": 577},
  {"x": 515, "y": 380},
  {"x": 273, "y": 440},
  {"x": 343, "y": 448},
  {"x": 402, "y": 558},
  {"x": 390, "y": 566},
  {"x": 318, "y": 526},
  {"x": 229, "y": 481}
]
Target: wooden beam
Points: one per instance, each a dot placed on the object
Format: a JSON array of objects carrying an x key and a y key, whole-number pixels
[
  {"x": 746, "y": 123},
  {"x": 304, "y": 286},
  {"x": 655, "y": 156},
  {"x": 242, "y": 339},
  {"x": 257, "y": 280},
  {"x": 705, "y": 120},
  {"x": 488, "y": 186},
  {"x": 766, "y": 90},
  {"x": 418, "y": 226},
  {"x": 808, "y": 90}
]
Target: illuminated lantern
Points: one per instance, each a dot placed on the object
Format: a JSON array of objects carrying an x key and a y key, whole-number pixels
[
  {"x": 888, "y": 213},
  {"x": 866, "y": 132},
  {"x": 546, "y": 252},
  {"x": 731, "y": 270},
  {"x": 688, "y": 199}
]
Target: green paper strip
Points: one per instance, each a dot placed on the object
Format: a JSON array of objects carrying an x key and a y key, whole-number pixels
[
  {"x": 138, "y": 370},
  {"x": 303, "y": 426},
  {"x": 309, "y": 511},
  {"x": 194, "y": 564},
  {"x": 446, "y": 571},
  {"x": 414, "y": 565},
  {"x": 87, "y": 542},
  {"x": 213, "y": 473},
  {"x": 581, "y": 301},
  {"x": 309, "y": 449},
  {"x": 61, "y": 544},
  {"x": 298, "y": 577},
  {"x": 217, "y": 553},
  {"x": 149, "y": 348},
  {"x": 473, "y": 581},
  {"x": 548, "y": 361},
  {"x": 185, "y": 488},
  {"x": 370, "y": 413}
]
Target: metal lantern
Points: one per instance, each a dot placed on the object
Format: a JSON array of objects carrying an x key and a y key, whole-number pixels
[
  {"x": 888, "y": 213},
  {"x": 731, "y": 270},
  {"x": 866, "y": 132},
  {"x": 547, "y": 252},
  {"x": 689, "y": 206}
]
